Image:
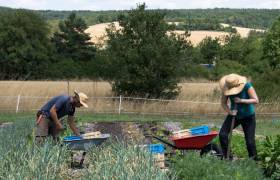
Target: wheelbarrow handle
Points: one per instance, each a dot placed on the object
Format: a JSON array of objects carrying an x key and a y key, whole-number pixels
[{"x": 161, "y": 140}]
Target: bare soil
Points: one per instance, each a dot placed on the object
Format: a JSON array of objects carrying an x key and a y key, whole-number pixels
[{"x": 121, "y": 131}]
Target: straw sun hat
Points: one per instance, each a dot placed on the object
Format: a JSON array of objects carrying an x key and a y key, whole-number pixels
[
  {"x": 83, "y": 98},
  {"x": 232, "y": 84}
]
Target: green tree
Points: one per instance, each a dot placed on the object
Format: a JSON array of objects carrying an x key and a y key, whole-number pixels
[
  {"x": 272, "y": 45},
  {"x": 24, "y": 45},
  {"x": 268, "y": 85},
  {"x": 227, "y": 67},
  {"x": 71, "y": 41},
  {"x": 143, "y": 60},
  {"x": 233, "y": 48},
  {"x": 253, "y": 53},
  {"x": 210, "y": 49}
]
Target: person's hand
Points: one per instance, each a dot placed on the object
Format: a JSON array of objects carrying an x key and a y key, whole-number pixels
[
  {"x": 237, "y": 100},
  {"x": 233, "y": 112},
  {"x": 59, "y": 127}
]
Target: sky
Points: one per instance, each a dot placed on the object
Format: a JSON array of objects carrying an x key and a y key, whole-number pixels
[{"x": 129, "y": 4}]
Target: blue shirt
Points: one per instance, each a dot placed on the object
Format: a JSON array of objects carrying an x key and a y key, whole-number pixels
[
  {"x": 63, "y": 106},
  {"x": 243, "y": 110}
]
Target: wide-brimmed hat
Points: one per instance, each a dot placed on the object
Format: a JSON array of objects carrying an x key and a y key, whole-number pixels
[
  {"x": 83, "y": 98},
  {"x": 232, "y": 84}
]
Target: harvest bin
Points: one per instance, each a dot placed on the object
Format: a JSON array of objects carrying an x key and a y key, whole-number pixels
[
  {"x": 200, "y": 130},
  {"x": 156, "y": 148}
]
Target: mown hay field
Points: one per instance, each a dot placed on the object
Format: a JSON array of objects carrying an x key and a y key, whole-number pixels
[
  {"x": 195, "y": 98},
  {"x": 98, "y": 33}
]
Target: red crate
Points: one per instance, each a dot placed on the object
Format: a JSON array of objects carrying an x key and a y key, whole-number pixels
[{"x": 193, "y": 142}]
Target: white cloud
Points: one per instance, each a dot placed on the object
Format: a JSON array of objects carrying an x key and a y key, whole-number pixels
[{"x": 129, "y": 4}]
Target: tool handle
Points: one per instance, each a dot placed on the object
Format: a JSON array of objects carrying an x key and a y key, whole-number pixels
[{"x": 231, "y": 129}]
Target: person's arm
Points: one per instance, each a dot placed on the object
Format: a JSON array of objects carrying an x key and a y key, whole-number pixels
[
  {"x": 253, "y": 97},
  {"x": 72, "y": 125},
  {"x": 224, "y": 104},
  {"x": 55, "y": 118}
]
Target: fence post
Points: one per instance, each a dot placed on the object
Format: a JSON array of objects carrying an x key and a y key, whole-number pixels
[
  {"x": 68, "y": 87},
  {"x": 18, "y": 101},
  {"x": 120, "y": 104}
]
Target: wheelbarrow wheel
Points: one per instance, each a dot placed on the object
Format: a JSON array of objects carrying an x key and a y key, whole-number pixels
[{"x": 212, "y": 149}]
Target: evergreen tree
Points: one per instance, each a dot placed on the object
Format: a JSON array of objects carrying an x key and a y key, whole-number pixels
[{"x": 71, "y": 41}]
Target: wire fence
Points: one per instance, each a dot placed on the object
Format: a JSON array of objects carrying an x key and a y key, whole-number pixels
[{"x": 131, "y": 105}]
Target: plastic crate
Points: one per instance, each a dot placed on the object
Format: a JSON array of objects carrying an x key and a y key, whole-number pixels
[
  {"x": 200, "y": 130},
  {"x": 72, "y": 138},
  {"x": 156, "y": 148}
]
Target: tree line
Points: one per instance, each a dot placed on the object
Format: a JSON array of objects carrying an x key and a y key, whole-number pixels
[
  {"x": 251, "y": 18},
  {"x": 143, "y": 58}
]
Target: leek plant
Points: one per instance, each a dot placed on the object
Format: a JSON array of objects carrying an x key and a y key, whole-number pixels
[
  {"x": 22, "y": 158},
  {"x": 122, "y": 161}
]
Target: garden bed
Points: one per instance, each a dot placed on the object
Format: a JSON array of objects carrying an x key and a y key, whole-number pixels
[
  {"x": 132, "y": 131},
  {"x": 114, "y": 159}
]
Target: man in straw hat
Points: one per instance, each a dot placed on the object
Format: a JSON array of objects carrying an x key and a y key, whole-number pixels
[
  {"x": 242, "y": 97},
  {"x": 48, "y": 118}
]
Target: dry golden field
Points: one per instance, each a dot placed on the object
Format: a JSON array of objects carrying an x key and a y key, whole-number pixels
[
  {"x": 197, "y": 36},
  {"x": 195, "y": 98},
  {"x": 97, "y": 33},
  {"x": 244, "y": 32}
]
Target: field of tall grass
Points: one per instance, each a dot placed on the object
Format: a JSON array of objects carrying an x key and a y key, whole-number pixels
[{"x": 195, "y": 98}]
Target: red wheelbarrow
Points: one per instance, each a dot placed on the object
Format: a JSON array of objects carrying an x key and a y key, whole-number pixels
[{"x": 196, "y": 142}]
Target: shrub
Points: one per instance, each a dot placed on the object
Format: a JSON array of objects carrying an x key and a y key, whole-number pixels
[
  {"x": 268, "y": 85},
  {"x": 192, "y": 166},
  {"x": 270, "y": 157},
  {"x": 226, "y": 67},
  {"x": 239, "y": 146}
]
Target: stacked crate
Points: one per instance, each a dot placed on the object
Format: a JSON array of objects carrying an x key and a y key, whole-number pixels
[{"x": 195, "y": 131}]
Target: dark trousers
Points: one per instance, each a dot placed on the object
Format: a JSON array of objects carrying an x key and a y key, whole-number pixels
[{"x": 249, "y": 125}]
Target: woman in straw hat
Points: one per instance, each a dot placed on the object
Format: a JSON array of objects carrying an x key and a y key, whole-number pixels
[{"x": 242, "y": 97}]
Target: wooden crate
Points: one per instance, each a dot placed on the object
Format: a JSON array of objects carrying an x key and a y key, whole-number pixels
[
  {"x": 159, "y": 160},
  {"x": 91, "y": 135}
]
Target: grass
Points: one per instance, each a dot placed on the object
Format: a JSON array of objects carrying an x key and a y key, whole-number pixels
[
  {"x": 265, "y": 127},
  {"x": 194, "y": 99},
  {"x": 268, "y": 127}
]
